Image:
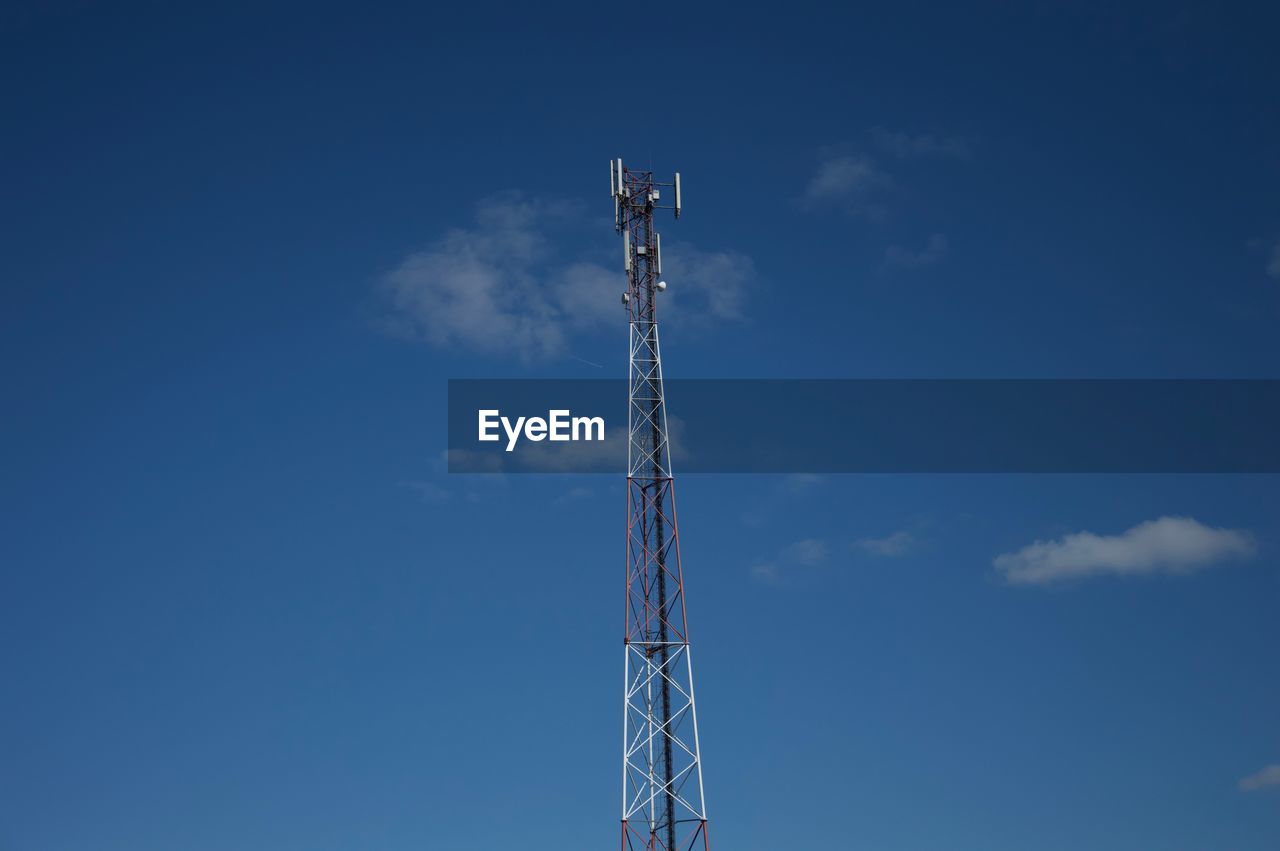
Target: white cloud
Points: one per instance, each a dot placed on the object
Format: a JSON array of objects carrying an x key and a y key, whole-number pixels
[
  {"x": 1166, "y": 545},
  {"x": 849, "y": 180},
  {"x": 573, "y": 495},
  {"x": 715, "y": 283},
  {"x": 588, "y": 294},
  {"x": 765, "y": 571},
  {"x": 840, "y": 176},
  {"x": 500, "y": 286},
  {"x": 897, "y": 257},
  {"x": 808, "y": 551},
  {"x": 856, "y": 182},
  {"x": 890, "y": 546},
  {"x": 803, "y": 553},
  {"x": 905, "y": 145},
  {"x": 475, "y": 287},
  {"x": 1269, "y": 776},
  {"x": 798, "y": 483}
]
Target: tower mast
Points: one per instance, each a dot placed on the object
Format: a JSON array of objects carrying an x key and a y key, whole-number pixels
[{"x": 662, "y": 798}]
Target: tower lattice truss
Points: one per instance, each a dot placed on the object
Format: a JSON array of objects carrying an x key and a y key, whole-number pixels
[{"x": 662, "y": 796}]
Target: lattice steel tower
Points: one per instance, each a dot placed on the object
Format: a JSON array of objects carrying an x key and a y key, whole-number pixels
[{"x": 662, "y": 799}]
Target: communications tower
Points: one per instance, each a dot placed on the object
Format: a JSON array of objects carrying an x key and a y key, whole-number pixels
[{"x": 662, "y": 797}]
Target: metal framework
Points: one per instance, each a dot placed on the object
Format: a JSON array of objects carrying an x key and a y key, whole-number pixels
[{"x": 662, "y": 797}]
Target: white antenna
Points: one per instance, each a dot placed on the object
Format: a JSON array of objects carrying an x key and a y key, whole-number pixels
[
  {"x": 658, "y": 252},
  {"x": 613, "y": 186},
  {"x": 626, "y": 250},
  {"x": 677, "y": 194},
  {"x": 622, "y": 189}
]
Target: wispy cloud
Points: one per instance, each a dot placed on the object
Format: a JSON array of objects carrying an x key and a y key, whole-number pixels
[
  {"x": 803, "y": 553},
  {"x": 855, "y": 182},
  {"x": 440, "y": 488},
  {"x": 890, "y": 546},
  {"x": 850, "y": 181},
  {"x": 793, "y": 486},
  {"x": 573, "y": 495},
  {"x": 704, "y": 286},
  {"x": 905, "y": 145},
  {"x": 799, "y": 483},
  {"x": 501, "y": 287},
  {"x": 1166, "y": 545},
  {"x": 898, "y": 257},
  {"x": 1268, "y": 776},
  {"x": 475, "y": 287},
  {"x": 808, "y": 551},
  {"x": 587, "y": 294}
]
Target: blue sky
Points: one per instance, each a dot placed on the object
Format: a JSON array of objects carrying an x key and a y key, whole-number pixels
[{"x": 245, "y": 608}]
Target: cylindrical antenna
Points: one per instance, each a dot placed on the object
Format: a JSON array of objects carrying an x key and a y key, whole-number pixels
[
  {"x": 677, "y": 194},
  {"x": 626, "y": 250},
  {"x": 613, "y": 186},
  {"x": 658, "y": 251}
]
